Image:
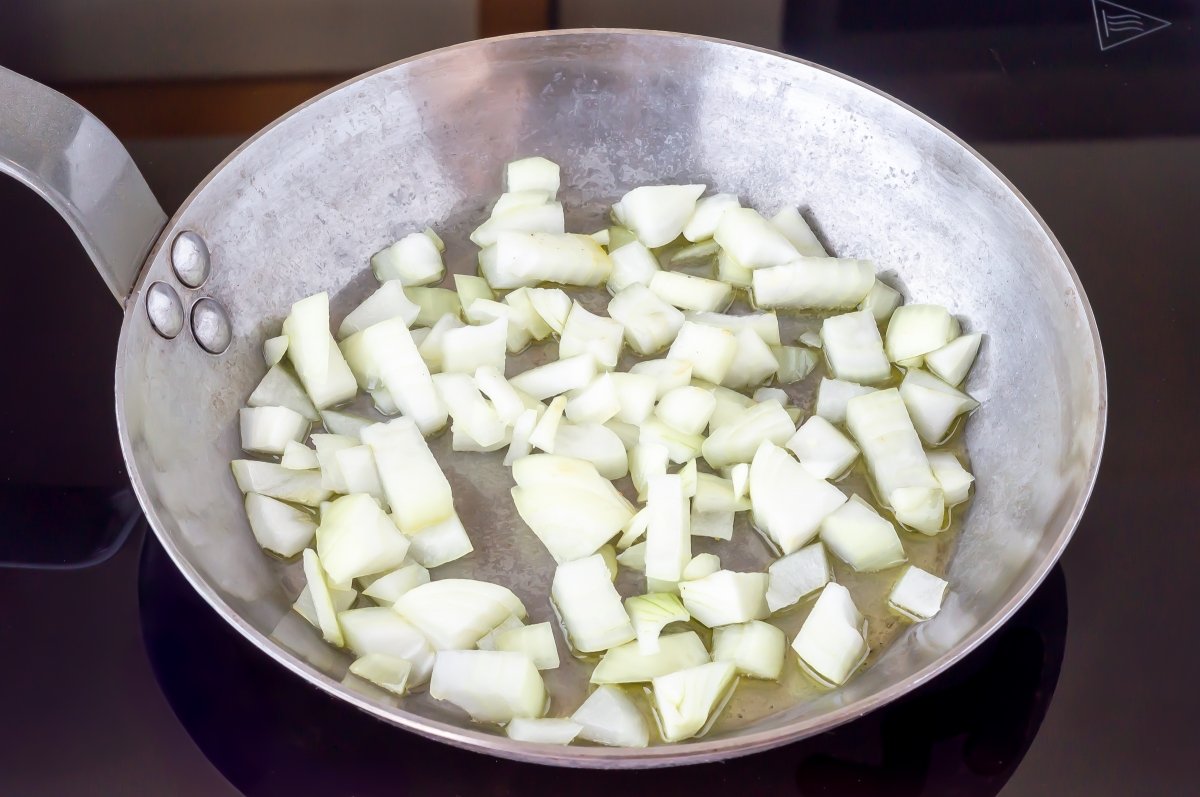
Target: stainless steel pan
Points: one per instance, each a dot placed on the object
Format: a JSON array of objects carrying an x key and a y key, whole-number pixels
[{"x": 301, "y": 206}]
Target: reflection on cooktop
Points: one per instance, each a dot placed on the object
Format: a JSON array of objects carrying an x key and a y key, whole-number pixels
[{"x": 271, "y": 733}]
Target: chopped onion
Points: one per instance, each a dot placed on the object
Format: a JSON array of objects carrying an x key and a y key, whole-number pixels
[
  {"x": 649, "y": 323},
  {"x": 276, "y": 481},
  {"x": 388, "y": 588},
  {"x": 535, "y": 641},
  {"x": 268, "y": 430},
  {"x": 709, "y": 350},
  {"x": 668, "y": 531},
  {"x": 646, "y": 461},
  {"x": 753, "y": 363},
  {"x": 918, "y": 329},
  {"x": 953, "y": 478},
  {"x": 589, "y": 605},
  {"x": 274, "y": 350},
  {"x": 685, "y": 700},
  {"x": 738, "y": 440},
  {"x": 726, "y": 597},
  {"x": 506, "y": 401},
  {"x": 731, "y": 271},
  {"x": 532, "y": 174},
  {"x": 707, "y": 216},
  {"x": 932, "y": 404},
  {"x": 544, "y": 730},
  {"x": 588, "y": 333},
  {"x": 717, "y": 525},
  {"x": 520, "y": 259},
  {"x": 552, "y": 305},
  {"x": 716, "y": 494},
  {"x": 636, "y": 394},
  {"x": 279, "y": 527},
  {"x": 752, "y": 240},
  {"x": 920, "y": 508},
  {"x": 434, "y": 546},
  {"x": 667, "y": 374},
  {"x": 823, "y": 450},
  {"x": 690, "y": 293},
  {"x": 434, "y": 303},
  {"x": 545, "y": 218},
  {"x": 318, "y": 590},
  {"x": 486, "y": 311},
  {"x": 356, "y": 465},
  {"x": 490, "y": 685},
  {"x": 788, "y": 503},
  {"x": 772, "y": 394},
  {"x": 680, "y": 447},
  {"x": 650, "y": 614},
  {"x": 817, "y": 283},
  {"x": 854, "y": 349},
  {"x": 381, "y": 630},
  {"x": 702, "y": 564},
  {"x": 545, "y": 431},
  {"x": 765, "y": 325},
  {"x": 953, "y": 361},
  {"x": 634, "y": 557},
  {"x": 297, "y": 456},
  {"x": 796, "y": 575},
  {"x": 882, "y": 301},
  {"x": 355, "y": 538},
  {"x": 595, "y": 443},
  {"x": 405, "y": 374},
  {"x": 453, "y": 613},
  {"x": 415, "y": 486},
  {"x": 520, "y": 446},
  {"x": 467, "y": 348},
  {"x": 832, "y": 643},
  {"x": 730, "y": 406},
  {"x": 686, "y": 409},
  {"x": 469, "y": 288},
  {"x": 342, "y": 599},
  {"x": 571, "y": 508},
  {"x": 833, "y": 395},
  {"x": 413, "y": 260},
  {"x": 472, "y": 413},
  {"x": 388, "y": 301},
  {"x": 315, "y": 355},
  {"x": 793, "y": 226},
  {"x": 657, "y": 213},
  {"x": 917, "y": 595},
  {"x": 858, "y": 536},
  {"x": 632, "y": 264},
  {"x": 388, "y": 672},
  {"x": 327, "y": 446},
  {"x": 755, "y": 648},
  {"x": 609, "y": 717},
  {"x": 596, "y": 403},
  {"x": 627, "y": 664},
  {"x": 633, "y": 531},
  {"x": 555, "y": 378}
]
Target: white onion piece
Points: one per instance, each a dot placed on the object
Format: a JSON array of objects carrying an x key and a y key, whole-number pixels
[
  {"x": 787, "y": 502},
  {"x": 453, "y": 613},
  {"x": 666, "y": 373},
  {"x": 739, "y": 477},
  {"x": 487, "y": 311},
  {"x": 796, "y": 575},
  {"x": 753, "y": 363},
  {"x": 650, "y": 614},
  {"x": 268, "y": 430},
  {"x": 730, "y": 271},
  {"x": 685, "y": 700},
  {"x": 381, "y": 630},
  {"x": 627, "y": 433},
  {"x": 688, "y": 292},
  {"x": 589, "y": 605},
  {"x": 917, "y": 595},
  {"x": 555, "y": 378},
  {"x": 776, "y": 394},
  {"x": 547, "y": 218},
  {"x": 388, "y": 672},
  {"x": 716, "y": 525},
  {"x": 552, "y": 305},
  {"x": 647, "y": 460},
  {"x": 832, "y": 642},
  {"x": 535, "y": 641},
  {"x": 953, "y": 361},
  {"x": 881, "y": 301},
  {"x": 680, "y": 447},
  {"x": 413, "y": 260},
  {"x": 355, "y": 538},
  {"x": 726, "y": 597},
  {"x": 687, "y": 477},
  {"x": 857, "y": 535},
  {"x": 609, "y": 717},
  {"x": 551, "y": 513},
  {"x": 434, "y": 546},
  {"x": 668, "y": 531},
  {"x": 488, "y": 640},
  {"x": 387, "y": 589},
  {"x": 633, "y": 264},
  {"x": 342, "y": 599},
  {"x": 823, "y": 450},
  {"x": 519, "y": 446},
  {"x": 473, "y": 415},
  {"x": 505, "y": 399},
  {"x": 932, "y": 404},
  {"x": 707, "y": 216},
  {"x": 405, "y": 374},
  {"x": 686, "y": 409},
  {"x": 793, "y": 226},
  {"x": 656, "y": 214},
  {"x": 490, "y": 685},
  {"x": 601, "y": 237},
  {"x": 356, "y": 465},
  {"x": 917, "y": 329},
  {"x": 716, "y": 494},
  {"x": 765, "y": 325},
  {"x": 545, "y": 431},
  {"x": 470, "y": 288},
  {"x": 738, "y": 440},
  {"x": 318, "y": 590},
  {"x": 543, "y": 730},
  {"x": 834, "y": 394},
  {"x": 274, "y": 350},
  {"x": 633, "y": 557},
  {"x": 627, "y": 664},
  {"x": 519, "y": 259},
  {"x": 890, "y": 445},
  {"x": 596, "y": 403},
  {"x": 954, "y": 479},
  {"x": 588, "y": 333},
  {"x": 650, "y": 324},
  {"x": 532, "y": 174},
  {"x": 461, "y": 441},
  {"x": 388, "y": 301},
  {"x": 278, "y": 527},
  {"x": 795, "y": 363},
  {"x": 434, "y": 303},
  {"x": 709, "y": 350},
  {"x": 415, "y": 486},
  {"x": 634, "y": 530},
  {"x": 430, "y": 347},
  {"x": 468, "y": 347},
  {"x": 276, "y": 481},
  {"x": 755, "y": 648},
  {"x": 854, "y": 349},
  {"x": 315, "y": 355},
  {"x": 920, "y": 508},
  {"x": 636, "y": 394},
  {"x": 510, "y": 200},
  {"x": 595, "y": 443},
  {"x": 817, "y": 283},
  {"x": 702, "y": 565},
  {"x": 752, "y": 240},
  {"x": 297, "y": 456},
  {"x": 730, "y": 406}
]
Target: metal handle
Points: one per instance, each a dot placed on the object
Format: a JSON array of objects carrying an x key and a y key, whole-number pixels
[{"x": 53, "y": 145}]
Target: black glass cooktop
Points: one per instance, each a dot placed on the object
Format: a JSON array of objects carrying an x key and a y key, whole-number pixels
[{"x": 115, "y": 679}]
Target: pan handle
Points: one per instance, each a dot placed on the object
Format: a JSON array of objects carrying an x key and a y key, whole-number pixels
[{"x": 53, "y": 145}]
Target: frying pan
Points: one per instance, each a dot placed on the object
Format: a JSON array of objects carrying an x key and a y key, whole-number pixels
[{"x": 301, "y": 206}]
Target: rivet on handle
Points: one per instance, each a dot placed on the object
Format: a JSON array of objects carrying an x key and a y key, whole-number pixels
[
  {"x": 164, "y": 309},
  {"x": 210, "y": 325},
  {"x": 189, "y": 258}
]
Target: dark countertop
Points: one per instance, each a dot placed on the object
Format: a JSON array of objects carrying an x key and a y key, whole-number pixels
[{"x": 1105, "y": 647}]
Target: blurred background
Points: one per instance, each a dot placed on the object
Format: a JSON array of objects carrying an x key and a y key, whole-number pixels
[{"x": 1097, "y": 124}]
